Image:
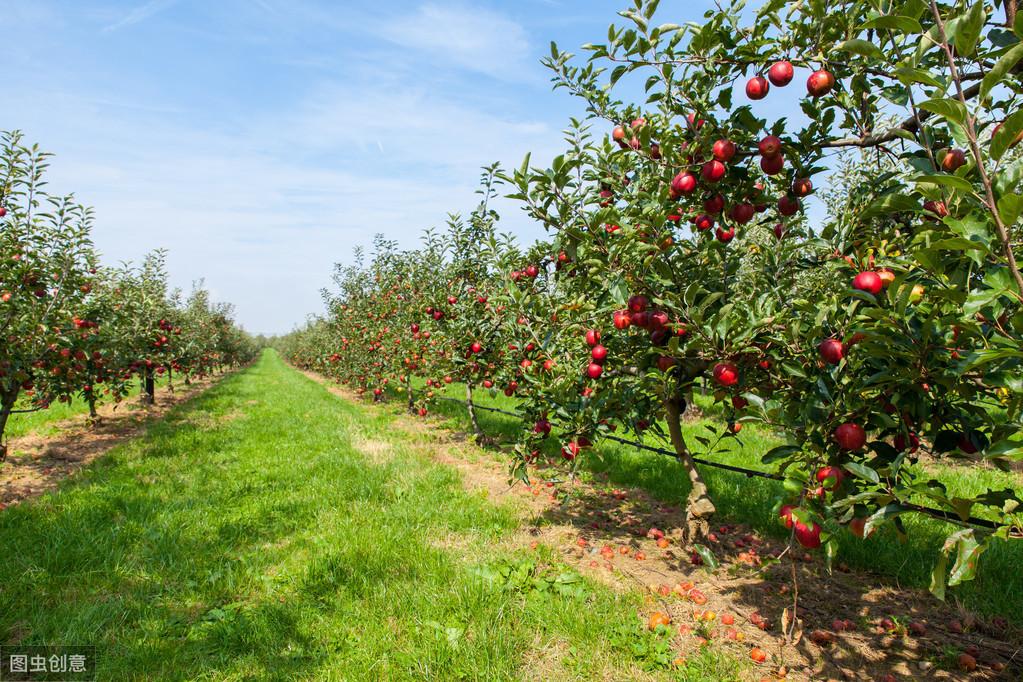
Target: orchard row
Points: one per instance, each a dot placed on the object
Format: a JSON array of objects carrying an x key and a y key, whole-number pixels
[
  {"x": 844, "y": 275},
  {"x": 72, "y": 329}
]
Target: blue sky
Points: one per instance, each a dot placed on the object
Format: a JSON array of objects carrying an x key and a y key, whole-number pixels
[{"x": 260, "y": 140}]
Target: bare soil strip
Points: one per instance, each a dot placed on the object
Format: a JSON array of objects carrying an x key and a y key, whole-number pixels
[
  {"x": 36, "y": 464},
  {"x": 853, "y": 626}
]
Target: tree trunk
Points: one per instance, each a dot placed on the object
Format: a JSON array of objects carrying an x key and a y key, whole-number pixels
[
  {"x": 6, "y": 405},
  {"x": 1010, "y": 13},
  {"x": 411, "y": 397},
  {"x": 699, "y": 507},
  {"x": 93, "y": 415},
  {"x": 170, "y": 379},
  {"x": 477, "y": 431},
  {"x": 148, "y": 387}
]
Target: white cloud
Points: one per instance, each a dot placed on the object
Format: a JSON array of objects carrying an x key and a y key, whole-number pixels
[
  {"x": 472, "y": 38},
  {"x": 263, "y": 209},
  {"x": 139, "y": 13}
]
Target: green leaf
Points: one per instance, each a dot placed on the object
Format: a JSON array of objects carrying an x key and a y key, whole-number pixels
[
  {"x": 1006, "y": 134},
  {"x": 968, "y": 550},
  {"x": 957, "y": 244},
  {"x": 862, "y": 471},
  {"x": 1001, "y": 67},
  {"x": 1009, "y": 208},
  {"x": 891, "y": 203},
  {"x": 778, "y": 453},
  {"x": 908, "y": 76},
  {"x": 1007, "y": 449},
  {"x": 927, "y": 41},
  {"x": 978, "y": 299},
  {"x": 894, "y": 22},
  {"x": 945, "y": 180},
  {"x": 860, "y": 47},
  {"x": 949, "y": 109},
  {"x": 970, "y": 26},
  {"x": 889, "y": 511},
  {"x": 709, "y": 560}
]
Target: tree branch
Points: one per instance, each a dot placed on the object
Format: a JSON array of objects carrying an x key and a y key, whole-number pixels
[
  {"x": 971, "y": 133},
  {"x": 910, "y": 125}
]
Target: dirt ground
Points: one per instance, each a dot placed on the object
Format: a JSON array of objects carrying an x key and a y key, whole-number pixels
[{"x": 627, "y": 539}]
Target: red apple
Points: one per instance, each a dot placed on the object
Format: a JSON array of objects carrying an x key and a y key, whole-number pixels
[
  {"x": 592, "y": 337},
  {"x": 850, "y": 436},
  {"x": 742, "y": 213},
  {"x": 820, "y": 83},
  {"x": 952, "y": 160},
  {"x": 723, "y": 150},
  {"x": 868, "y": 281},
  {"x": 770, "y": 146},
  {"x": 781, "y": 73},
  {"x": 772, "y": 165},
  {"x": 801, "y": 187},
  {"x": 936, "y": 208},
  {"x": 684, "y": 183},
  {"x": 903, "y": 443},
  {"x": 966, "y": 444},
  {"x": 830, "y": 473},
  {"x": 599, "y": 354},
  {"x": 785, "y": 514},
  {"x": 571, "y": 451},
  {"x": 476, "y": 347},
  {"x": 856, "y": 526},
  {"x": 621, "y": 319},
  {"x": 704, "y": 222},
  {"x": 714, "y": 204},
  {"x": 788, "y": 206},
  {"x": 726, "y": 374},
  {"x": 593, "y": 370},
  {"x": 832, "y": 351},
  {"x": 757, "y": 87},
  {"x": 713, "y": 171},
  {"x": 724, "y": 236},
  {"x": 638, "y": 303},
  {"x": 808, "y": 536}
]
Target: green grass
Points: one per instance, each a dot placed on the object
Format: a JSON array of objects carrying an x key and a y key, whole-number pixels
[
  {"x": 270, "y": 530},
  {"x": 997, "y": 589},
  {"x": 47, "y": 422}
]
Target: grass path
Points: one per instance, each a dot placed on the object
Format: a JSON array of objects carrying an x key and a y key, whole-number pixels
[{"x": 269, "y": 530}]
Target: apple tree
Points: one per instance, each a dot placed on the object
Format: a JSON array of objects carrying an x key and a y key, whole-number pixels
[
  {"x": 46, "y": 261},
  {"x": 868, "y": 336}
]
